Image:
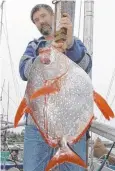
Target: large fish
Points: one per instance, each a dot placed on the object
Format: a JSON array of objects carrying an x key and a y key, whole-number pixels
[{"x": 59, "y": 96}]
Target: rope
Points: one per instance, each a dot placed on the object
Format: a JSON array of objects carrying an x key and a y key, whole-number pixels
[
  {"x": 110, "y": 85},
  {"x": 112, "y": 101},
  {"x": 106, "y": 157}
]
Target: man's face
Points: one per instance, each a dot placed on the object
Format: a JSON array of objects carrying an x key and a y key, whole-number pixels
[{"x": 43, "y": 21}]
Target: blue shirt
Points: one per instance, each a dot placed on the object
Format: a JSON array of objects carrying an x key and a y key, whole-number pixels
[{"x": 76, "y": 53}]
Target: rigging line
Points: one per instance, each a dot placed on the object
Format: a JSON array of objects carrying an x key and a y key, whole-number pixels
[
  {"x": 3, "y": 111},
  {"x": 11, "y": 63},
  {"x": 112, "y": 101},
  {"x": 2, "y": 104},
  {"x": 1, "y": 20},
  {"x": 4, "y": 29},
  {"x": 79, "y": 26},
  {"x": 110, "y": 85},
  {"x": 108, "y": 93},
  {"x": 106, "y": 157},
  {"x": 16, "y": 84},
  {"x": 8, "y": 102},
  {"x": 2, "y": 90},
  {"x": 9, "y": 97},
  {"x": 12, "y": 107},
  {"x": 1, "y": 96}
]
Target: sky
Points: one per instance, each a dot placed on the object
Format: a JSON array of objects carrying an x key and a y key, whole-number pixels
[{"x": 21, "y": 30}]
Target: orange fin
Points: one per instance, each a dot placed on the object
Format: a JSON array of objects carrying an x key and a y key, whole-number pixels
[
  {"x": 103, "y": 106},
  {"x": 43, "y": 91},
  {"x": 20, "y": 112},
  {"x": 28, "y": 110},
  {"x": 65, "y": 155}
]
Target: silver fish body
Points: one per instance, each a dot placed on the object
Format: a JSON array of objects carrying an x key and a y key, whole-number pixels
[{"x": 68, "y": 112}]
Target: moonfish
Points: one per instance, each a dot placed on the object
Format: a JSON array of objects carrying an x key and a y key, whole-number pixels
[{"x": 59, "y": 96}]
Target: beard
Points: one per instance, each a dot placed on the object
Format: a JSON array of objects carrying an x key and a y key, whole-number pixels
[{"x": 46, "y": 29}]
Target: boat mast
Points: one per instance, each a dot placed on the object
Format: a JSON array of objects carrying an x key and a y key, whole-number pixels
[
  {"x": 88, "y": 27},
  {"x": 88, "y": 39}
]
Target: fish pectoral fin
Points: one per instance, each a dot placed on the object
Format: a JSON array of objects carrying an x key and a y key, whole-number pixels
[
  {"x": 43, "y": 91},
  {"x": 103, "y": 106},
  {"x": 20, "y": 112},
  {"x": 65, "y": 155}
]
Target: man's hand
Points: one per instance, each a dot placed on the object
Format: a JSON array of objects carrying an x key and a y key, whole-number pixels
[{"x": 66, "y": 23}]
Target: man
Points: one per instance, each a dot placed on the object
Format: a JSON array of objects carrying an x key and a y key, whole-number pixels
[{"x": 36, "y": 152}]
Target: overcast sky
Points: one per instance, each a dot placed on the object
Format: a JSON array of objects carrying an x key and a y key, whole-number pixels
[{"x": 21, "y": 30}]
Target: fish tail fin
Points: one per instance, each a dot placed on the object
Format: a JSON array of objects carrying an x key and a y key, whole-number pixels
[
  {"x": 65, "y": 154},
  {"x": 103, "y": 106},
  {"x": 20, "y": 112}
]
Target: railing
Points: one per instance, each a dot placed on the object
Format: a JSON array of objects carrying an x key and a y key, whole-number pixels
[{"x": 101, "y": 129}]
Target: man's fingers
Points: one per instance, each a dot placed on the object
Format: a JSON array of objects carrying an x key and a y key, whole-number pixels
[
  {"x": 67, "y": 26},
  {"x": 65, "y": 21},
  {"x": 57, "y": 45}
]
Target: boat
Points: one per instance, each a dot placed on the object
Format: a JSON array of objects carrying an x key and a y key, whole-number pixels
[{"x": 10, "y": 165}]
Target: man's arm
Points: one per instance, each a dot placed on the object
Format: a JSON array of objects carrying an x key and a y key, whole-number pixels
[
  {"x": 27, "y": 60},
  {"x": 79, "y": 55},
  {"x": 76, "y": 50}
]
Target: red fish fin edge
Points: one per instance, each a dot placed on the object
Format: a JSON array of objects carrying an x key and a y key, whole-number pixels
[
  {"x": 52, "y": 143},
  {"x": 103, "y": 106},
  {"x": 65, "y": 155},
  {"x": 20, "y": 112},
  {"x": 83, "y": 132}
]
